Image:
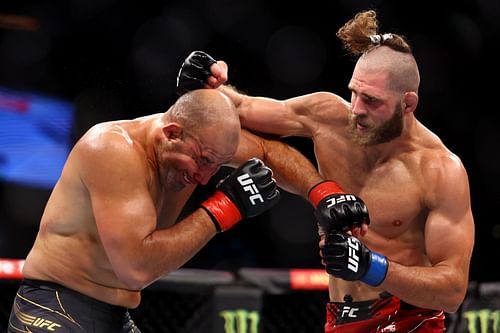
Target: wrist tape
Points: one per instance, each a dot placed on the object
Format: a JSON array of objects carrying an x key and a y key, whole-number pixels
[
  {"x": 222, "y": 210},
  {"x": 377, "y": 270},
  {"x": 323, "y": 189}
]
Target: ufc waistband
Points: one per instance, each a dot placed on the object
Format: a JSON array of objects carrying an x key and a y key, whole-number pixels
[
  {"x": 385, "y": 314},
  {"x": 41, "y": 306}
]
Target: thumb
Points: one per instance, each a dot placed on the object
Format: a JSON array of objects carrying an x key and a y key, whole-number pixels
[{"x": 219, "y": 74}]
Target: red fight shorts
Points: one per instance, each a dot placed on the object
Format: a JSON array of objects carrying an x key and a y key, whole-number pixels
[{"x": 386, "y": 314}]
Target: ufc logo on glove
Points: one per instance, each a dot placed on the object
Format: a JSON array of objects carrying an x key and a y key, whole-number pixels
[
  {"x": 249, "y": 186},
  {"x": 247, "y": 192},
  {"x": 353, "y": 257},
  {"x": 342, "y": 198}
]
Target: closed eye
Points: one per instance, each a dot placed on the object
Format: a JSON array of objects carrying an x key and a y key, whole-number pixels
[{"x": 205, "y": 161}]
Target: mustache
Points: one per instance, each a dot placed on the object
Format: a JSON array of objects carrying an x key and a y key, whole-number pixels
[
  {"x": 357, "y": 117},
  {"x": 361, "y": 118}
]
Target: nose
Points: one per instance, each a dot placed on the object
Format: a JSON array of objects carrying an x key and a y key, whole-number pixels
[{"x": 357, "y": 107}]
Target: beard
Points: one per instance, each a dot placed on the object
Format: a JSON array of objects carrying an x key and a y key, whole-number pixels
[{"x": 385, "y": 132}]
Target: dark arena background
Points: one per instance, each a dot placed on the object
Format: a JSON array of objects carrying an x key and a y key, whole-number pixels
[{"x": 67, "y": 65}]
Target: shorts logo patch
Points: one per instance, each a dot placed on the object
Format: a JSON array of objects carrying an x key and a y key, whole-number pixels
[
  {"x": 350, "y": 312},
  {"x": 37, "y": 321}
]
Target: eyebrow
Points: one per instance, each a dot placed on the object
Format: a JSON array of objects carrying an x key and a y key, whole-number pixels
[
  {"x": 364, "y": 94},
  {"x": 370, "y": 96}
]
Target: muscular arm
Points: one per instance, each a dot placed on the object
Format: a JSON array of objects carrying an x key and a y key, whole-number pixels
[
  {"x": 449, "y": 239},
  {"x": 298, "y": 116},
  {"x": 125, "y": 215},
  {"x": 292, "y": 170}
]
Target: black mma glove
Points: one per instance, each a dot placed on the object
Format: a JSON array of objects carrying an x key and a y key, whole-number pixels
[
  {"x": 194, "y": 72},
  {"x": 347, "y": 258},
  {"x": 248, "y": 191},
  {"x": 335, "y": 209}
]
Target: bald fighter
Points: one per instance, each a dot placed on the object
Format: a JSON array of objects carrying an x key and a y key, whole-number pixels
[{"x": 110, "y": 227}]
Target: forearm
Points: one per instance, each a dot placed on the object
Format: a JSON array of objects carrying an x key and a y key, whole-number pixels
[
  {"x": 247, "y": 192},
  {"x": 165, "y": 250},
  {"x": 440, "y": 288},
  {"x": 292, "y": 170}
]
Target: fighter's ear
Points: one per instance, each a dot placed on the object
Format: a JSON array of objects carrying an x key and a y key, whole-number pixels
[
  {"x": 410, "y": 101},
  {"x": 172, "y": 131}
]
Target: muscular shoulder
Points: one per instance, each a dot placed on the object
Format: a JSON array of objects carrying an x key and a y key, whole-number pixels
[
  {"x": 318, "y": 104},
  {"x": 438, "y": 163},
  {"x": 321, "y": 108},
  {"x": 443, "y": 175},
  {"x": 107, "y": 148},
  {"x": 104, "y": 138}
]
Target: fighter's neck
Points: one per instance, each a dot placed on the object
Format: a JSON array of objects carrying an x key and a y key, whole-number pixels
[{"x": 406, "y": 142}]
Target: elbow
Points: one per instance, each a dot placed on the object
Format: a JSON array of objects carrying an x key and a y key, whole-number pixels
[
  {"x": 134, "y": 279},
  {"x": 453, "y": 303},
  {"x": 138, "y": 279},
  {"x": 452, "y": 308},
  {"x": 455, "y": 297}
]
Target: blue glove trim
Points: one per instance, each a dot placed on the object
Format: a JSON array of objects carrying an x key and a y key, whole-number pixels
[{"x": 377, "y": 271}]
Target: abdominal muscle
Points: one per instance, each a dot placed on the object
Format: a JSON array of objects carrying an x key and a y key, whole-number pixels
[
  {"x": 359, "y": 291},
  {"x": 403, "y": 250}
]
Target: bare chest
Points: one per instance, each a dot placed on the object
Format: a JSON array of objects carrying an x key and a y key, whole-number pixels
[
  {"x": 394, "y": 207},
  {"x": 391, "y": 191}
]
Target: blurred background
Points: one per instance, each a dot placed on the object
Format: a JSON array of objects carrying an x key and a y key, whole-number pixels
[{"x": 67, "y": 65}]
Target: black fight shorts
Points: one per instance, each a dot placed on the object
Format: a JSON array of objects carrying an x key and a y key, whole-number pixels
[{"x": 41, "y": 306}]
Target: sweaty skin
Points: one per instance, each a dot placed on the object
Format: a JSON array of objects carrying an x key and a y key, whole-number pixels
[
  {"x": 416, "y": 190},
  {"x": 127, "y": 208},
  {"x": 109, "y": 228}
]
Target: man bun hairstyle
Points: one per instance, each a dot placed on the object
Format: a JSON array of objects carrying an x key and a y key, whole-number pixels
[{"x": 361, "y": 34}]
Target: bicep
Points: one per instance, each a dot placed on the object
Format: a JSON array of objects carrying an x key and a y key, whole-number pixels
[
  {"x": 296, "y": 116},
  {"x": 121, "y": 203},
  {"x": 123, "y": 210},
  {"x": 449, "y": 231}
]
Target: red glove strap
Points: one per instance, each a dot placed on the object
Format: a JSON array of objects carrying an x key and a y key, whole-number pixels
[
  {"x": 223, "y": 210},
  {"x": 321, "y": 190}
]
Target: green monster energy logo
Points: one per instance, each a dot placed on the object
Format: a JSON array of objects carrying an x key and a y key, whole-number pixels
[
  {"x": 484, "y": 317},
  {"x": 240, "y": 321}
]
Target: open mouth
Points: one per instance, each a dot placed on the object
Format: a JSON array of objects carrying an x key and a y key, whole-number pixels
[{"x": 360, "y": 126}]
